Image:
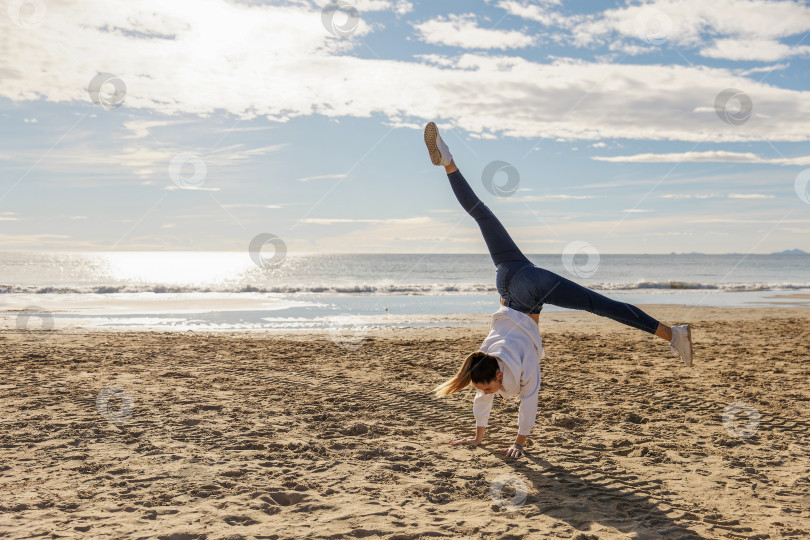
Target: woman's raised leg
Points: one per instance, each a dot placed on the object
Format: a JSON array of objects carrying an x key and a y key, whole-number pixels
[
  {"x": 501, "y": 247},
  {"x": 554, "y": 289},
  {"x": 546, "y": 287}
]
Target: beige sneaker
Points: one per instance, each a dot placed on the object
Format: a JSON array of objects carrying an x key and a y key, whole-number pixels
[
  {"x": 439, "y": 153},
  {"x": 681, "y": 344}
]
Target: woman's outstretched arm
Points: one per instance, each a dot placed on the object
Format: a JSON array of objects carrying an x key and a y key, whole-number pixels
[{"x": 479, "y": 438}]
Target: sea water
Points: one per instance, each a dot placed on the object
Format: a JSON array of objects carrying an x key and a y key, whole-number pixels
[{"x": 229, "y": 291}]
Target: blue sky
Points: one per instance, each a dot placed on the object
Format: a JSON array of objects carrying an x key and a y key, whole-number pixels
[{"x": 241, "y": 118}]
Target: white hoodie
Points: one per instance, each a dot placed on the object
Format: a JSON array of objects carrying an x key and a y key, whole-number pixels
[{"x": 515, "y": 339}]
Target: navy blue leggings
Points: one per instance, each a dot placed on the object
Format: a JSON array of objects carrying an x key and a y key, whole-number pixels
[{"x": 526, "y": 287}]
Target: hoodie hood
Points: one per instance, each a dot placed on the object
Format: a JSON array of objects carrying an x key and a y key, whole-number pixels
[
  {"x": 523, "y": 323},
  {"x": 515, "y": 339}
]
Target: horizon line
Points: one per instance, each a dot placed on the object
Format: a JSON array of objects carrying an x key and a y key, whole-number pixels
[{"x": 307, "y": 253}]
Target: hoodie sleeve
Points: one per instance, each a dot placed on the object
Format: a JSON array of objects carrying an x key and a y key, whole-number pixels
[
  {"x": 529, "y": 389},
  {"x": 482, "y": 405}
]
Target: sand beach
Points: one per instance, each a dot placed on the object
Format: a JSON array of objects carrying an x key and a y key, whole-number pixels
[{"x": 265, "y": 435}]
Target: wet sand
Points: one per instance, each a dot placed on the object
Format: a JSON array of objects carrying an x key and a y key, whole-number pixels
[{"x": 215, "y": 436}]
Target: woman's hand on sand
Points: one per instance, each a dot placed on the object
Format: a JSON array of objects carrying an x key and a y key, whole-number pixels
[
  {"x": 515, "y": 450},
  {"x": 474, "y": 442}
]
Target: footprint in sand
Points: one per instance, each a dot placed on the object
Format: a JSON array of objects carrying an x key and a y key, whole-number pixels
[
  {"x": 357, "y": 429},
  {"x": 239, "y": 520},
  {"x": 193, "y": 471},
  {"x": 705, "y": 475},
  {"x": 697, "y": 474},
  {"x": 284, "y": 498}
]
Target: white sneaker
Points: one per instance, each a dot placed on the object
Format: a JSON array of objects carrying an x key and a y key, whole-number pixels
[
  {"x": 439, "y": 153},
  {"x": 681, "y": 344}
]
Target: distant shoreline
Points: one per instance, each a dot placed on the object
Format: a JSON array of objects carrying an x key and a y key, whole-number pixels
[{"x": 437, "y": 324}]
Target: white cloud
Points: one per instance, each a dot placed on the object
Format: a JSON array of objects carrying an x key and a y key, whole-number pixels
[
  {"x": 142, "y": 128},
  {"x": 191, "y": 188},
  {"x": 332, "y": 221},
  {"x": 689, "y": 196},
  {"x": 143, "y": 160},
  {"x": 268, "y": 206},
  {"x": 721, "y": 156},
  {"x": 763, "y": 69},
  {"x": 541, "y": 198},
  {"x": 228, "y": 155},
  {"x": 534, "y": 12},
  {"x": 749, "y": 196},
  {"x": 745, "y": 49},
  {"x": 26, "y": 241},
  {"x": 403, "y": 7},
  {"x": 737, "y": 220},
  {"x": 463, "y": 31},
  {"x": 211, "y": 66},
  {"x": 378, "y": 5},
  {"x": 400, "y": 7},
  {"x": 323, "y": 177},
  {"x": 635, "y": 210},
  {"x": 734, "y": 29}
]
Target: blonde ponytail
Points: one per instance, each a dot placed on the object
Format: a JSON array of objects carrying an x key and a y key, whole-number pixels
[{"x": 463, "y": 378}]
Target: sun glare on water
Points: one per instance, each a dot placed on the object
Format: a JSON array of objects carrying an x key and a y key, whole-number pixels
[{"x": 177, "y": 268}]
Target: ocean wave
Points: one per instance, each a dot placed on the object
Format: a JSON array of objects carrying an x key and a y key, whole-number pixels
[
  {"x": 358, "y": 289},
  {"x": 686, "y": 285},
  {"x": 388, "y": 289}
]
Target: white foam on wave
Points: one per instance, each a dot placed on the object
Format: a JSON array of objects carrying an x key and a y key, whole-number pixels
[{"x": 389, "y": 288}]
